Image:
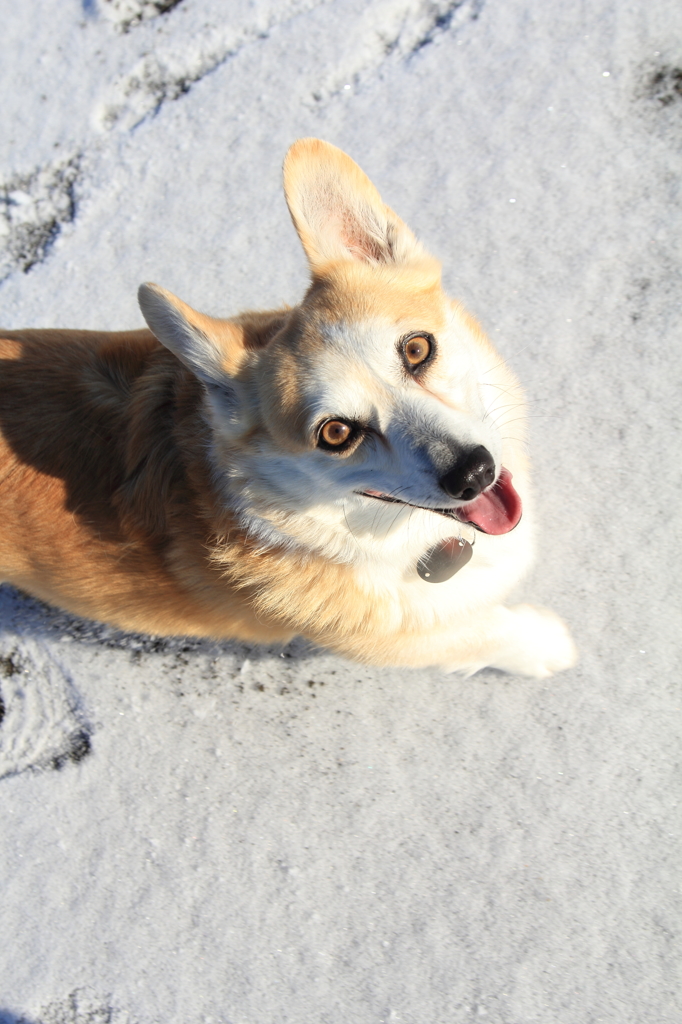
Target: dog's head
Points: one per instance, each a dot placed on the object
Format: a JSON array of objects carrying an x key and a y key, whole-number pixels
[{"x": 375, "y": 397}]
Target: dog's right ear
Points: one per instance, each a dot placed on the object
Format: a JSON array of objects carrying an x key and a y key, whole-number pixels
[
  {"x": 338, "y": 213},
  {"x": 212, "y": 349}
]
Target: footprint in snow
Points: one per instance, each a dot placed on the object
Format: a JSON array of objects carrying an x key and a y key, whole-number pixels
[{"x": 40, "y": 723}]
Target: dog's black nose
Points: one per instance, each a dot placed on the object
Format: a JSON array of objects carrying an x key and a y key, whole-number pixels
[{"x": 471, "y": 474}]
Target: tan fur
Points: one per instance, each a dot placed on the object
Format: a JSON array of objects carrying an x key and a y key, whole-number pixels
[{"x": 112, "y": 450}]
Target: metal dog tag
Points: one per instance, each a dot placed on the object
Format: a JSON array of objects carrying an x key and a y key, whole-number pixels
[{"x": 443, "y": 561}]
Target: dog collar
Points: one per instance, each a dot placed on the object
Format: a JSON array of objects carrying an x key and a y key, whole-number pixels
[{"x": 441, "y": 562}]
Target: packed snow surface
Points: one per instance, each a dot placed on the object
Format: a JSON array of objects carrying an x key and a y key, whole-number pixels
[{"x": 196, "y": 833}]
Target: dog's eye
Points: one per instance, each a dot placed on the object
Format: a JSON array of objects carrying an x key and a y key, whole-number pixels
[
  {"x": 334, "y": 433},
  {"x": 416, "y": 350}
]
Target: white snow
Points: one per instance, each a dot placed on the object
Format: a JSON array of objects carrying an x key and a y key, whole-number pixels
[{"x": 260, "y": 837}]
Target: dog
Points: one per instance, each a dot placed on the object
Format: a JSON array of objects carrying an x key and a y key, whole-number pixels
[{"x": 351, "y": 469}]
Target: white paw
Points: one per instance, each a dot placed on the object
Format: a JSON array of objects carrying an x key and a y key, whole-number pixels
[{"x": 538, "y": 644}]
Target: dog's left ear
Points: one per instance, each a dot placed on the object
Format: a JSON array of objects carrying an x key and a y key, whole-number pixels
[
  {"x": 212, "y": 349},
  {"x": 337, "y": 211}
]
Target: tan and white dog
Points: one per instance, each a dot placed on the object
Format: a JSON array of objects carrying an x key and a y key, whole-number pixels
[{"x": 322, "y": 470}]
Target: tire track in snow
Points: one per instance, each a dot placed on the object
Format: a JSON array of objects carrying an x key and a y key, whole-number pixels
[
  {"x": 387, "y": 30},
  {"x": 170, "y": 71},
  {"x": 376, "y": 32}
]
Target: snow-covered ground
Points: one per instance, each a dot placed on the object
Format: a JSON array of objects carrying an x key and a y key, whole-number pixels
[{"x": 212, "y": 834}]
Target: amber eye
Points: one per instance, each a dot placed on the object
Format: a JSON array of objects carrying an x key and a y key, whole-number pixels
[
  {"x": 335, "y": 433},
  {"x": 417, "y": 350}
]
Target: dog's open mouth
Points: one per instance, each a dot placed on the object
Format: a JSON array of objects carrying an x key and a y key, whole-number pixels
[{"x": 496, "y": 510}]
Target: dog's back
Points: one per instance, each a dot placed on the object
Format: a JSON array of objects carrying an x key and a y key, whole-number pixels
[
  {"x": 65, "y": 400},
  {"x": 105, "y": 492}
]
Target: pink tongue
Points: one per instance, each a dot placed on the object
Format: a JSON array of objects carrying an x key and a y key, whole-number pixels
[{"x": 497, "y": 510}]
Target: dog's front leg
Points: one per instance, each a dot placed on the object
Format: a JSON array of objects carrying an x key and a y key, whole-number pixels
[{"x": 524, "y": 640}]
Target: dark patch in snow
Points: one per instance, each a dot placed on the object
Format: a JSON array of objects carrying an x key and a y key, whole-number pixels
[
  {"x": 443, "y": 21},
  {"x": 125, "y": 14},
  {"x": 33, "y": 208},
  {"x": 8, "y": 667},
  {"x": 78, "y": 747},
  {"x": 638, "y": 298},
  {"x": 146, "y": 89},
  {"x": 665, "y": 85},
  {"x": 81, "y": 1007}
]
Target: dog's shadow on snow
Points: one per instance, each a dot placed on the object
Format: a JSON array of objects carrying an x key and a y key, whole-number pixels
[
  {"x": 25, "y": 616},
  {"x": 43, "y": 722}
]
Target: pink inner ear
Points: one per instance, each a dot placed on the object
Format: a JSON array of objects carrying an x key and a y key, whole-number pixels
[{"x": 359, "y": 244}]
